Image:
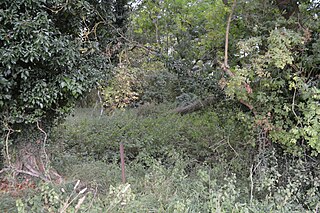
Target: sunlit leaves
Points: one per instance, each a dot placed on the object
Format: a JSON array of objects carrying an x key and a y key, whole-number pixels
[
  {"x": 280, "y": 43},
  {"x": 124, "y": 89}
]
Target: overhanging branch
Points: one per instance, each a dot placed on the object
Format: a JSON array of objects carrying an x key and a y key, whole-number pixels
[
  {"x": 226, "y": 46},
  {"x": 225, "y": 65}
]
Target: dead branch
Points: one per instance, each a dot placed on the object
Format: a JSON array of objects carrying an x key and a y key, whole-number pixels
[
  {"x": 196, "y": 106},
  {"x": 32, "y": 174},
  {"x": 44, "y": 145},
  {"x": 10, "y": 131},
  {"x": 28, "y": 160}
]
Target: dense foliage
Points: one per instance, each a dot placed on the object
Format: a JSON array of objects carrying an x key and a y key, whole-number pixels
[
  {"x": 279, "y": 59},
  {"x": 272, "y": 53},
  {"x": 51, "y": 53},
  {"x": 174, "y": 164},
  {"x": 189, "y": 36},
  {"x": 41, "y": 64},
  {"x": 217, "y": 104}
]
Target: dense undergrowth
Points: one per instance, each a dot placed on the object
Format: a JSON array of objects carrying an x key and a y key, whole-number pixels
[{"x": 200, "y": 162}]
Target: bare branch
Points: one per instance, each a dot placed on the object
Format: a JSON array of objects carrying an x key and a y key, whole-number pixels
[
  {"x": 31, "y": 174},
  {"x": 10, "y": 131},
  {"x": 44, "y": 144},
  {"x": 4, "y": 170},
  {"x": 225, "y": 65}
]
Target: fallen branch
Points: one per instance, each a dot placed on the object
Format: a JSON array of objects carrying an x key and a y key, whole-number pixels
[
  {"x": 32, "y": 174},
  {"x": 196, "y": 106}
]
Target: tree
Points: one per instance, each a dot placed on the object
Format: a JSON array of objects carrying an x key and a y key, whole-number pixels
[
  {"x": 51, "y": 53},
  {"x": 270, "y": 64},
  {"x": 189, "y": 37}
]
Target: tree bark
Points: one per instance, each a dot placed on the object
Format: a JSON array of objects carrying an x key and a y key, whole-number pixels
[
  {"x": 33, "y": 161},
  {"x": 196, "y": 106},
  {"x": 27, "y": 156}
]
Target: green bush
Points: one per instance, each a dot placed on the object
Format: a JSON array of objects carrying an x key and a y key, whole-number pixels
[
  {"x": 199, "y": 162},
  {"x": 203, "y": 136}
]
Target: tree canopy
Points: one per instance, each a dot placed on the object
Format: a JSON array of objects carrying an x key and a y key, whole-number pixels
[{"x": 264, "y": 54}]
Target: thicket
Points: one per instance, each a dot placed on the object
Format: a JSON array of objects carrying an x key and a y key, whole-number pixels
[
  {"x": 220, "y": 105},
  {"x": 262, "y": 54},
  {"x": 163, "y": 173}
]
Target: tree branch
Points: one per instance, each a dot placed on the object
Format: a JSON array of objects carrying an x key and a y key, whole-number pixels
[
  {"x": 225, "y": 64},
  {"x": 134, "y": 43},
  {"x": 44, "y": 144},
  {"x": 10, "y": 131},
  {"x": 196, "y": 105}
]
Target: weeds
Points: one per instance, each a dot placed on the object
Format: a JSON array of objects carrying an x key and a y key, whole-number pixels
[{"x": 192, "y": 163}]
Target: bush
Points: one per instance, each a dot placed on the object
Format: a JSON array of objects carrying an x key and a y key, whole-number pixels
[
  {"x": 170, "y": 167},
  {"x": 154, "y": 185},
  {"x": 203, "y": 136}
]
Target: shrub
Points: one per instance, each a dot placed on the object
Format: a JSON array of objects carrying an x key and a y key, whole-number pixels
[
  {"x": 154, "y": 185},
  {"x": 203, "y": 136},
  {"x": 200, "y": 162}
]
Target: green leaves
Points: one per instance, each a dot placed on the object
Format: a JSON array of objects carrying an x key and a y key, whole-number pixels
[
  {"x": 280, "y": 44},
  {"x": 188, "y": 37},
  {"x": 285, "y": 101},
  {"x": 42, "y": 69}
]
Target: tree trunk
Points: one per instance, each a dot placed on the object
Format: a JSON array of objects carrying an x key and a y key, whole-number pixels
[
  {"x": 32, "y": 159},
  {"x": 27, "y": 156}
]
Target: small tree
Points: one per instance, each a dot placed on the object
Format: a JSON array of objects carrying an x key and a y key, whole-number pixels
[{"x": 51, "y": 52}]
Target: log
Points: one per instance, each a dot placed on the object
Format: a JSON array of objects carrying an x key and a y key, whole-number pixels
[{"x": 196, "y": 105}]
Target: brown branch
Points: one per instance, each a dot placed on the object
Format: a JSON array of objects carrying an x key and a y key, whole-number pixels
[
  {"x": 249, "y": 106},
  {"x": 225, "y": 65}
]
